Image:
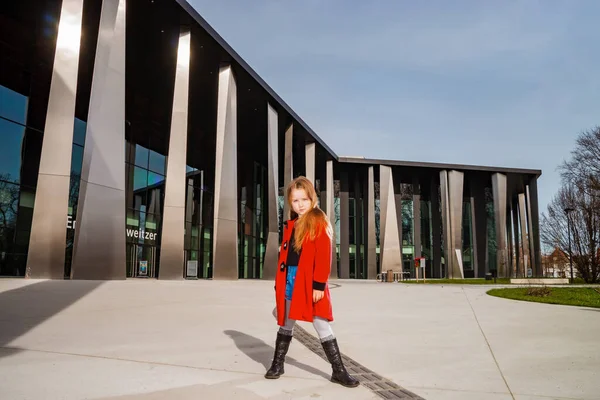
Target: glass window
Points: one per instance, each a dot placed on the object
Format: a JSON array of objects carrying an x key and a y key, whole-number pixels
[
  {"x": 154, "y": 179},
  {"x": 9, "y": 202},
  {"x": 11, "y": 139},
  {"x": 157, "y": 162},
  {"x": 79, "y": 132},
  {"x": 13, "y": 105},
  {"x": 151, "y": 222},
  {"x": 141, "y": 156},
  {"x": 407, "y": 222},
  {"x": 140, "y": 200},
  {"x": 140, "y": 178},
  {"x": 8, "y": 192},
  {"x": 76, "y": 160},
  {"x": 154, "y": 197},
  {"x": 132, "y": 219}
]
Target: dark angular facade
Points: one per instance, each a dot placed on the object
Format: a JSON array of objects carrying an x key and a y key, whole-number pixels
[{"x": 137, "y": 143}]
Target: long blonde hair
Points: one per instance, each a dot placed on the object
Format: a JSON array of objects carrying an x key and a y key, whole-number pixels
[{"x": 314, "y": 220}]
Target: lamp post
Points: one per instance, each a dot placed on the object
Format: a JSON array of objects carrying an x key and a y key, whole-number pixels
[{"x": 568, "y": 211}]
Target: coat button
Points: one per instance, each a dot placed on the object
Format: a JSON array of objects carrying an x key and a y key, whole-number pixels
[
  {"x": 282, "y": 267},
  {"x": 285, "y": 246}
]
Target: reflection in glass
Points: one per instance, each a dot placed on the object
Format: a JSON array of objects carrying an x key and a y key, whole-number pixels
[
  {"x": 132, "y": 218},
  {"x": 76, "y": 160},
  {"x": 252, "y": 224},
  {"x": 156, "y": 162},
  {"x": 155, "y": 179},
  {"x": 77, "y": 149},
  {"x": 407, "y": 222},
  {"x": 13, "y": 105},
  {"x": 140, "y": 178},
  {"x": 141, "y": 156},
  {"x": 467, "y": 248},
  {"x": 11, "y": 140},
  {"x": 197, "y": 240},
  {"x": 491, "y": 230},
  {"x": 79, "y": 132},
  {"x": 9, "y": 204}
]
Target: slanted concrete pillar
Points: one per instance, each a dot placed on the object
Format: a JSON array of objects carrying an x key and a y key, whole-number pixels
[
  {"x": 225, "y": 236},
  {"x": 172, "y": 255},
  {"x": 499, "y": 190},
  {"x": 46, "y": 255},
  {"x": 271, "y": 255},
  {"x": 390, "y": 250}
]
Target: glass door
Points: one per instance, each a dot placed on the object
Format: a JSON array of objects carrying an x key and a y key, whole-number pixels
[{"x": 141, "y": 261}]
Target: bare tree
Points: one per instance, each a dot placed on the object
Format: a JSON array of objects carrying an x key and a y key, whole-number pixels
[
  {"x": 584, "y": 166},
  {"x": 9, "y": 203},
  {"x": 580, "y": 191}
]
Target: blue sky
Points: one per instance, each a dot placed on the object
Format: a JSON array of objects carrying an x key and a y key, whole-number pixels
[{"x": 501, "y": 83}]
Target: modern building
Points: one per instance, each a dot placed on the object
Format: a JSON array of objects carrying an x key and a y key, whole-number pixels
[{"x": 135, "y": 142}]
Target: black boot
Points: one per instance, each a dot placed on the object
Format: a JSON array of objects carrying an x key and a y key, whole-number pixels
[
  {"x": 339, "y": 374},
  {"x": 281, "y": 348}
]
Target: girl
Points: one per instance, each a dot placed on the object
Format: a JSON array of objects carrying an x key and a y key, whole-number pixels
[{"x": 301, "y": 290}]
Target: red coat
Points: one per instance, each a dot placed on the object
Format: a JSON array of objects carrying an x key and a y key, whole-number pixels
[{"x": 314, "y": 265}]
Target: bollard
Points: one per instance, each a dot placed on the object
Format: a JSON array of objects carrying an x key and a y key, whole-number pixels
[{"x": 390, "y": 276}]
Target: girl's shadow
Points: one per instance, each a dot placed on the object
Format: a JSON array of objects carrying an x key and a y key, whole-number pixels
[{"x": 262, "y": 353}]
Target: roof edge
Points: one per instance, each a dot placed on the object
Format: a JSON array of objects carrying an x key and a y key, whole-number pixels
[
  {"x": 420, "y": 164},
  {"x": 219, "y": 39}
]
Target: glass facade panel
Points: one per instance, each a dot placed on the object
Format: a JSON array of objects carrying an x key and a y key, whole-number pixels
[
  {"x": 141, "y": 156},
  {"x": 140, "y": 179},
  {"x": 145, "y": 193},
  {"x": 198, "y": 225},
  {"x": 407, "y": 222},
  {"x": 76, "y": 160},
  {"x": 156, "y": 162},
  {"x": 13, "y": 105},
  {"x": 16, "y": 201},
  {"x": 155, "y": 179},
  {"x": 467, "y": 241},
  {"x": 491, "y": 230},
  {"x": 77, "y": 149},
  {"x": 427, "y": 236},
  {"x": 252, "y": 242},
  {"x": 9, "y": 208},
  {"x": 9, "y": 199},
  {"x": 11, "y": 140},
  {"x": 79, "y": 132}
]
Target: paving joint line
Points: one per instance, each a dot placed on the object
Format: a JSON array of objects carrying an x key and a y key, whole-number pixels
[{"x": 488, "y": 344}]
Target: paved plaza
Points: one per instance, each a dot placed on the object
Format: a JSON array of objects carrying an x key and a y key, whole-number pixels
[{"x": 148, "y": 339}]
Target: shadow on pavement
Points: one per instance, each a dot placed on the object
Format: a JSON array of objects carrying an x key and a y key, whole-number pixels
[
  {"x": 262, "y": 353},
  {"x": 24, "y": 308}
]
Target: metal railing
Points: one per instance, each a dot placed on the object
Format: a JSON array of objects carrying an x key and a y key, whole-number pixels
[{"x": 398, "y": 276}]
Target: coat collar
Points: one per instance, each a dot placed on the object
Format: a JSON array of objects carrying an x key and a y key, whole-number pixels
[{"x": 290, "y": 223}]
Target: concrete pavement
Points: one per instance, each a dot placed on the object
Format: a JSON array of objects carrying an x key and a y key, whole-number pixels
[{"x": 148, "y": 339}]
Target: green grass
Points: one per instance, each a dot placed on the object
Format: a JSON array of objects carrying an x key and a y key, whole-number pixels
[
  {"x": 570, "y": 296},
  {"x": 471, "y": 281}
]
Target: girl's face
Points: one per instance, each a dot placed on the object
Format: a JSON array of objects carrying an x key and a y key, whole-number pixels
[{"x": 301, "y": 203}]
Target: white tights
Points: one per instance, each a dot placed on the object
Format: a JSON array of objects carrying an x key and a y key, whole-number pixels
[{"x": 321, "y": 325}]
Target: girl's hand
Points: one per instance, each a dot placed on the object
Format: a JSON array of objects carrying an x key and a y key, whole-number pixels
[{"x": 317, "y": 295}]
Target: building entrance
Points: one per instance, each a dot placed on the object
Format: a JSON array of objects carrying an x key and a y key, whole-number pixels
[{"x": 141, "y": 261}]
